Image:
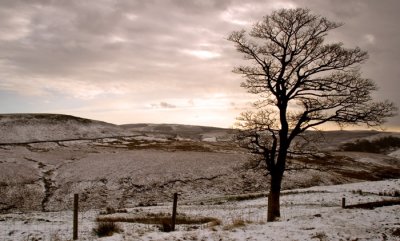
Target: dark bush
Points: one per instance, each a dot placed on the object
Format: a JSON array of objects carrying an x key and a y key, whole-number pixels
[
  {"x": 106, "y": 229},
  {"x": 110, "y": 210},
  {"x": 166, "y": 226},
  {"x": 380, "y": 145}
]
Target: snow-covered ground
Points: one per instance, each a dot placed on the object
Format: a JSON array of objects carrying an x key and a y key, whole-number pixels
[
  {"x": 395, "y": 153},
  {"x": 25, "y": 128},
  {"x": 45, "y": 159},
  {"x": 123, "y": 171},
  {"x": 307, "y": 214}
]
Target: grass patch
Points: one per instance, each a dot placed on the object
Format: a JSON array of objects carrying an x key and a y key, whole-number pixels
[
  {"x": 111, "y": 210},
  {"x": 395, "y": 193},
  {"x": 396, "y": 232},
  {"x": 380, "y": 145},
  {"x": 236, "y": 223},
  {"x": 295, "y": 192},
  {"x": 320, "y": 236},
  {"x": 220, "y": 200},
  {"x": 158, "y": 219},
  {"x": 107, "y": 228},
  {"x": 244, "y": 197},
  {"x": 372, "y": 205},
  {"x": 170, "y": 145}
]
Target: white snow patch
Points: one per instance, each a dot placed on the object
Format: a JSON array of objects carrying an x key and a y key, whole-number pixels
[
  {"x": 210, "y": 139},
  {"x": 179, "y": 138},
  {"x": 150, "y": 138},
  {"x": 395, "y": 154}
]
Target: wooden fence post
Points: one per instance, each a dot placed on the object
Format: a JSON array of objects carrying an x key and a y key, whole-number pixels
[
  {"x": 75, "y": 226},
  {"x": 174, "y": 211},
  {"x": 343, "y": 202}
]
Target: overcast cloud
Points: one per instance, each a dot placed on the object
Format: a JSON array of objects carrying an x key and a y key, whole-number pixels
[{"x": 161, "y": 60}]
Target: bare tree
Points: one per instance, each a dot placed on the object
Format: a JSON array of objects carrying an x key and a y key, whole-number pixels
[{"x": 302, "y": 82}]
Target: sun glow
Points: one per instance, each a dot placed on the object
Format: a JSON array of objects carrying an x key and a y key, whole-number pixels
[{"x": 202, "y": 54}]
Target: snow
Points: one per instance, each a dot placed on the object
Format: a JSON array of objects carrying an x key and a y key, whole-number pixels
[
  {"x": 382, "y": 135},
  {"x": 151, "y": 138},
  {"x": 369, "y": 158},
  {"x": 307, "y": 214},
  {"x": 210, "y": 139},
  {"x": 179, "y": 138},
  {"x": 395, "y": 153},
  {"x": 24, "y": 128},
  {"x": 99, "y": 161}
]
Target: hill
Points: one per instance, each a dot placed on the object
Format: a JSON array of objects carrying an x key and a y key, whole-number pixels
[
  {"x": 190, "y": 132},
  {"x": 45, "y": 158},
  {"x": 28, "y": 128}
]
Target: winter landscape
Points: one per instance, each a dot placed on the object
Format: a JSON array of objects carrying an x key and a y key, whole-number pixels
[
  {"x": 133, "y": 170},
  {"x": 220, "y": 120}
]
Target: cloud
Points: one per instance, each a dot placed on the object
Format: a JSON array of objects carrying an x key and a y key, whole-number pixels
[
  {"x": 167, "y": 105},
  {"x": 123, "y": 42},
  {"x": 15, "y": 28},
  {"x": 154, "y": 50},
  {"x": 369, "y": 38},
  {"x": 163, "y": 105}
]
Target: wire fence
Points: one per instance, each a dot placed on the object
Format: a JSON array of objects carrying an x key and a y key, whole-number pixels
[
  {"x": 55, "y": 225},
  {"x": 46, "y": 226},
  {"x": 58, "y": 225}
]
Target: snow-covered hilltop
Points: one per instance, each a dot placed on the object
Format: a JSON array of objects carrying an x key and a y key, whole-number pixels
[
  {"x": 26, "y": 128},
  {"x": 29, "y": 128}
]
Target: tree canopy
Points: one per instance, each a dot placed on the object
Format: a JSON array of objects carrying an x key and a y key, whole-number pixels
[{"x": 302, "y": 82}]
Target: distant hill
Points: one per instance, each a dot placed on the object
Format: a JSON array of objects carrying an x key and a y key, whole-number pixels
[
  {"x": 28, "y": 128},
  {"x": 25, "y": 128},
  {"x": 191, "y": 132}
]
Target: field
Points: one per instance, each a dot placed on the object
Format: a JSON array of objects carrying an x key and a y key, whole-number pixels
[
  {"x": 307, "y": 214},
  {"x": 46, "y": 159}
]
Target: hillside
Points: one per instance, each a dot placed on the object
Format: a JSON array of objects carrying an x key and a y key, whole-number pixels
[
  {"x": 194, "y": 133},
  {"x": 50, "y": 157},
  {"x": 26, "y": 128}
]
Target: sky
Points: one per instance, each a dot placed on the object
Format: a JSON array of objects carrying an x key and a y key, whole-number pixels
[{"x": 163, "y": 61}]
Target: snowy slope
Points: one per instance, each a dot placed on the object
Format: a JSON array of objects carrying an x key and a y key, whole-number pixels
[
  {"x": 126, "y": 165},
  {"x": 306, "y": 214},
  {"x": 395, "y": 153},
  {"x": 23, "y": 128},
  {"x": 198, "y": 133},
  {"x": 144, "y": 164}
]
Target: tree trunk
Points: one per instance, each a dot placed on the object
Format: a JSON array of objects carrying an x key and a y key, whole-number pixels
[{"x": 273, "y": 198}]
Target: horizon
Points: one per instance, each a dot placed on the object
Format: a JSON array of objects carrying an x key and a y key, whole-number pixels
[
  {"x": 158, "y": 62},
  {"x": 326, "y": 129}
]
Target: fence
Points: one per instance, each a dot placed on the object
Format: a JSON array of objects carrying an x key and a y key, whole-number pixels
[
  {"x": 44, "y": 226},
  {"x": 56, "y": 226},
  {"x": 79, "y": 223}
]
